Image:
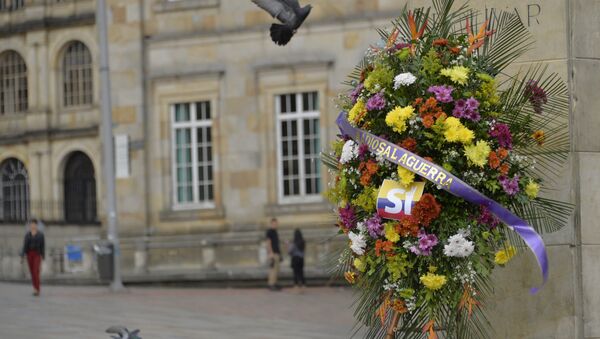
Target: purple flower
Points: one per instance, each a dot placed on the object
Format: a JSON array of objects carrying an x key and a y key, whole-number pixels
[
  {"x": 487, "y": 218},
  {"x": 442, "y": 93},
  {"x": 467, "y": 109},
  {"x": 510, "y": 186},
  {"x": 347, "y": 216},
  {"x": 376, "y": 102},
  {"x": 502, "y": 133},
  {"x": 356, "y": 92},
  {"x": 363, "y": 151},
  {"x": 374, "y": 226},
  {"x": 536, "y": 95},
  {"x": 426, "y": 244}
]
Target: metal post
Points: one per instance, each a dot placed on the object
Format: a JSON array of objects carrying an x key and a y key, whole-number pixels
[{"x": 108, "y": 143}]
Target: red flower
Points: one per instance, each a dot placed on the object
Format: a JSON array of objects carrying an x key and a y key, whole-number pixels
[
  {"x": 493, "y": 160},
  {"x": 368, "y": 169},
  {"x": 427, "y": 209}
]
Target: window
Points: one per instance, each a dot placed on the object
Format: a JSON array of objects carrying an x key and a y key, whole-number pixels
[
  {"x": 77, "y": 75},
  {"x": 192, "y": 155},
  {"x": 11, "y": 5},
  {"x": 13, "y": 83},
  {"x": 14, "y": 194},
  {"x": 79, "y": 189},
  {"x": 298, "y": 146}
]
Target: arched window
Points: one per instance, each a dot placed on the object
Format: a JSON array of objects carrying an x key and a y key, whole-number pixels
[
  {"x": 13, "y": 83},
  {"x": 14, "y": 195},
  {"x": 80, "y": 189},
  {"x": 77, "y": 75}
]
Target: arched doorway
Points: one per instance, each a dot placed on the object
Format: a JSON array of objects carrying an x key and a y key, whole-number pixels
[
  {"x": 80, "y": 189},
  {"x": 14, "y": 192}
]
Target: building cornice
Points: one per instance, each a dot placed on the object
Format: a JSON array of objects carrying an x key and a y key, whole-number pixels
[
  {"x": 47, "y": 23},
  {"x": 52, "y": 134}
]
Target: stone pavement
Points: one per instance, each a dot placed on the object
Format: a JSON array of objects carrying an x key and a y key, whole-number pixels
[{"x": 174, "y": 313}]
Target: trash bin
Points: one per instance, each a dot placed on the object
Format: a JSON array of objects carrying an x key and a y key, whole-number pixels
[{"x": 105, "y": 260}]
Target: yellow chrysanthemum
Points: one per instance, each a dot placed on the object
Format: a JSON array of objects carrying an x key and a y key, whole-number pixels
[
  {"x": 458, "y": 74},
  {"x": 360, "y": 264},
  {"x": 406, "y": 177},
  {"x": 350, "y": 277},
  {"x": 397, "y": 117},
  {"x": 478, "y": 153},
  {"x": 455, "y": 131},
  {"x": 503, "y": 256},
  {"x": 391, "y": 234},
  {"x": 357, "y": 112},
  {"x": 532, "y": 189},
  {"x": 433, "y": 281}
]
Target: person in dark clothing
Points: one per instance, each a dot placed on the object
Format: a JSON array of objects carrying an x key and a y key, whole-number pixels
[
  {"x": 274, "y": 251},
  {"x": 296, "y": 251},
  {"x": 34, "y": 249}
]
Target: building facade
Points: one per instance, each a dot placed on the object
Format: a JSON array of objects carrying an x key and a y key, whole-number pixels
[{"x": 223, "y": 132}]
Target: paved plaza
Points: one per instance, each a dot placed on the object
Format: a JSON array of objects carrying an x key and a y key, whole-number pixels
[{"x": 172, "y": 313}]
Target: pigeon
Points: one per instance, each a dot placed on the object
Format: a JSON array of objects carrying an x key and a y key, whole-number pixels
[
  {"x": 289, "y": 13},
  {"x": 123, "y": 333}
]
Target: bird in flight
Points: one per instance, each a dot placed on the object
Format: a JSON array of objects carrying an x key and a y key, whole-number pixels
[
  {"x": 289, "y": 13},
  {"x": 121, "y": 332}
]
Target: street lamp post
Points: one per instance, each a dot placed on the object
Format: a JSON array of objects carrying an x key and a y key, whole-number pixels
[{"x": 108, "y": 144}]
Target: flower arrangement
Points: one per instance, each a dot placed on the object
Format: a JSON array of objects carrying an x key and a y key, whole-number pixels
[{"x": 421, "y": 256}]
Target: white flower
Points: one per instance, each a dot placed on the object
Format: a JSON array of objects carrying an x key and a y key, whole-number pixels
[
  {"x": 404, "y": 79},
  {"x": 458, "y": 246},
  {"x": 361, "y": 227},
  {"x": 349, "y": 152},
  {"x": 358, "y": 243}
]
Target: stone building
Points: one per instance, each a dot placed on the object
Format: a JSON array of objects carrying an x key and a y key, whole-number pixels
[{"x": 223, "y": 130}]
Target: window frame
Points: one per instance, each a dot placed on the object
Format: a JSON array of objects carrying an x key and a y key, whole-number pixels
[
  {"x": 81, "y": 68},
  {"x": 20, "y": 169},
  {"x": 20, "y": 107},
  {"x": 196, "y": 204},
  {"x": 299, "y": 116}
]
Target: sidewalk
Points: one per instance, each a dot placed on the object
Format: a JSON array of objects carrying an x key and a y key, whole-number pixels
[{"x": 173, "y": 313}]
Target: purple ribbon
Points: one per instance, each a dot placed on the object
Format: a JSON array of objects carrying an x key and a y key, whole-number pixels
[{"x": 444, "y": 179}]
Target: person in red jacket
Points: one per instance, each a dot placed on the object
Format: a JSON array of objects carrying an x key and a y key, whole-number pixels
[{"x": 34, "y": 250}]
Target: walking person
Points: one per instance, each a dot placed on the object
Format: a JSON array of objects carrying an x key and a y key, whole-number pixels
[
  {"x": 34, "y": 249},
  {"x": 296, "y": 251},
  {"x": 274, "y": 251}
]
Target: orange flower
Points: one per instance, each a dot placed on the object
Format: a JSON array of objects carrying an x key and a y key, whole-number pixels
[
  {"x": 440, "y": 115},
  {"x": 504, "y": 168},
  {"x": 467, "y": 301},
  {"x": 407, "y": 225},
  {"x": 476, "y": 41},
  {"x": 493, "y": 160},
  {"x": 429, "y": 327},
  {"x": 539, "y": 137},
  {"x": 427, "y": 120},
  {"x": 350, "y": 277},
  {"x": 409, "y": 144},
  {"x": 440, "y": 42},
  {"x": 385, "y": 246},
  {"x": 427, "y": 209},
  {"x": 368, "y": 169},
  {"x": 430, "y": 159},
  {"x": 502, "y": 153},
  {"x": 399, "y": 306},
  {"x": 454, "y": 50},
  {"x": 415, "y": 35}
]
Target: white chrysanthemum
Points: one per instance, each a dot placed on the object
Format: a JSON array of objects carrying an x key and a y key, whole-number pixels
[
  {"x": 358, "y": 243},
  {"x": 404, "y": 79},
  {"x": 361, "y": 227},
  {"x": 349, "y": 152},
  {"x": 458, "y": 246}
]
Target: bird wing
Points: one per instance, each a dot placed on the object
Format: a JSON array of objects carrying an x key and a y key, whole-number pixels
[{"x": 279, "y": 9}]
